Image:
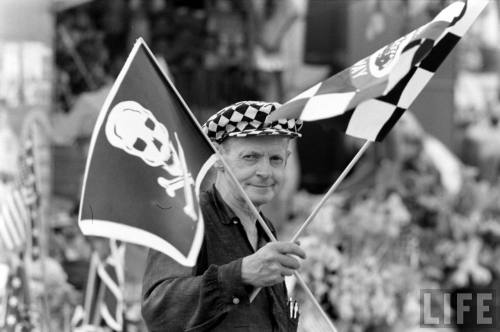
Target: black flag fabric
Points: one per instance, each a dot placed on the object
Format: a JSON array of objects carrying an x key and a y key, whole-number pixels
[{"x": 147, "y": 159}]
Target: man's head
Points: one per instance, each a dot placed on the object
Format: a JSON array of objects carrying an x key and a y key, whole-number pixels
[
  {"x": 258, "y": 163},
  {"x": 256, "y": 151}
]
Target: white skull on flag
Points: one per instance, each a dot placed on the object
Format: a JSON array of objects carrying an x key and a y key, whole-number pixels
[{"x": 134, "y": 129}]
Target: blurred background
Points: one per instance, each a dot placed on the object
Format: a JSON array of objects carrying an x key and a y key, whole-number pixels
[{"x": 419, "y": 211}]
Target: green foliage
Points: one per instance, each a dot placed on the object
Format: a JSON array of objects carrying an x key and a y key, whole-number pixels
[{"x": 370, "y": 253}]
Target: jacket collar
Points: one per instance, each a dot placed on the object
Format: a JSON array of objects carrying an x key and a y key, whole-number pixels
[{"x": 227, "y": 215}]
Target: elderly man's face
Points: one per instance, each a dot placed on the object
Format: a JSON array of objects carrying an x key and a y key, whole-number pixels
[{"x": 258, "y": 162}]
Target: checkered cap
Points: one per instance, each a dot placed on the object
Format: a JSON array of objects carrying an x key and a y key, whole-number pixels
[{"x": 248, "y": 118}]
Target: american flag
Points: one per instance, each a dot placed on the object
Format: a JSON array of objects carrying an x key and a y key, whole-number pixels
[
  {"x": 14, "y": 218},
  {"x": 19, "y": 208},
  {"x": 32, "y": 196},
  {"x": 367, "y": 99},
  {"x": 17, "y": 312}
]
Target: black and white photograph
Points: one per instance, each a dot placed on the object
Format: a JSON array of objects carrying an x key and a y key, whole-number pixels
[{"x": 249, "y": 165}]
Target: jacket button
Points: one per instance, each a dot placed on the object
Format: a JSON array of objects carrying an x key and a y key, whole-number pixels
[{"x": 236, "y": 300}]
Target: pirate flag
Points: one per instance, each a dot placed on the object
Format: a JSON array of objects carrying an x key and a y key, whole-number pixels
[{"x": 147, "y": 159}]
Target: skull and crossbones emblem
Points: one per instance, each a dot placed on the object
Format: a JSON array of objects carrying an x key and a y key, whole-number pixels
[{"x": 135, "y": 130}]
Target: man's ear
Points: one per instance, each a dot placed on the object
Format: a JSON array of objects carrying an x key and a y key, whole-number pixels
[
  {"x": 219, "y": 165},
  {"x": 288, "y": 153}
]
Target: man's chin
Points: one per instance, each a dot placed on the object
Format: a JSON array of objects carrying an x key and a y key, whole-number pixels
[
  {"x": 260, "y": 195},
  {"x": 259, "y": 200}
]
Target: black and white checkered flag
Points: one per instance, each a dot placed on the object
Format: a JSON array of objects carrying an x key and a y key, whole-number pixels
[{"x": 367, "y": 99}]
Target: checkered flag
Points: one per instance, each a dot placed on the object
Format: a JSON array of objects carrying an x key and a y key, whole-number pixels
[{"x": 367, "y": 99}]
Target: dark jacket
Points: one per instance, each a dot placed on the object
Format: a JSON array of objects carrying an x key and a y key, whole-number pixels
[{"x": 211, "y": 296}]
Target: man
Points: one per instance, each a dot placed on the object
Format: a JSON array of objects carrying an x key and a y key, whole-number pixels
[{"x": 236, "y": 256}]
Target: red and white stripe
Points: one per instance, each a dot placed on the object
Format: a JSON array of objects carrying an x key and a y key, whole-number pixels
[{"x": 14, "y": 220}]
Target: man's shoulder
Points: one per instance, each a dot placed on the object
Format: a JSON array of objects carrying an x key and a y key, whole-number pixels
[
  {"x": 206, "y": 198},
  {"x": 209, "y": 205}
]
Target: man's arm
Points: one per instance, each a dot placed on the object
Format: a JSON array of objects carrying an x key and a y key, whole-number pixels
[{"x": 176, "y": 299}]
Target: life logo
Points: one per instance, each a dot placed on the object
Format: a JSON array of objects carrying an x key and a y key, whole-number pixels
[{"x": 381, "y": 62}]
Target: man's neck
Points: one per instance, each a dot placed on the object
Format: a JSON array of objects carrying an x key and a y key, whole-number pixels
[
  {"x": 242, "y": 211},
  {"x": 237, "y": 204}
]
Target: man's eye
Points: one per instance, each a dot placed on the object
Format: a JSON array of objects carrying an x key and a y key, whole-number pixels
[
  {"x": 277, "y": 160},
  {"x": 249, "y": 157}
]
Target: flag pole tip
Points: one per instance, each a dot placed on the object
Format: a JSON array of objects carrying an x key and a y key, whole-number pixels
[{"x": 140, "y": 40}]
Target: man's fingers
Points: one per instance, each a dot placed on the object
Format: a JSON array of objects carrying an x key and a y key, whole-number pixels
[
  {"x": 288, "y": 262},
  {"x": 277, "y": 280},
  {"x": 290, "y": 248},
  {"x": 286, "y": 272}
]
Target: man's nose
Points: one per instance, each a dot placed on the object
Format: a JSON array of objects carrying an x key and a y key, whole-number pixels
[{"x": 264, "y": 168}]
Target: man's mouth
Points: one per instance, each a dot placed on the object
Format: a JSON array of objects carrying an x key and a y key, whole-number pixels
[{"x": 262, "y": 185}]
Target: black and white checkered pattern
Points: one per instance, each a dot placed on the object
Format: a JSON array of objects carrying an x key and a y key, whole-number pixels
[
  {"x": 370, "y": 110},
  {"x": 249, "y": 118}
]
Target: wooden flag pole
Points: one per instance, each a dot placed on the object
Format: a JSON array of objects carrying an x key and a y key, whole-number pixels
[
  {"x": 233, "y": 177},
  {"x": 311, "y": 217},
  {"x": 332, "y": 189},
  {"x": 91, "y": 281},
  {"x": 68, "y": 42},
  {"x": 273, "y": 239}
]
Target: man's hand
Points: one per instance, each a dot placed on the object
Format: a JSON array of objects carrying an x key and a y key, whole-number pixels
[{"x": 271, "y": 263}]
